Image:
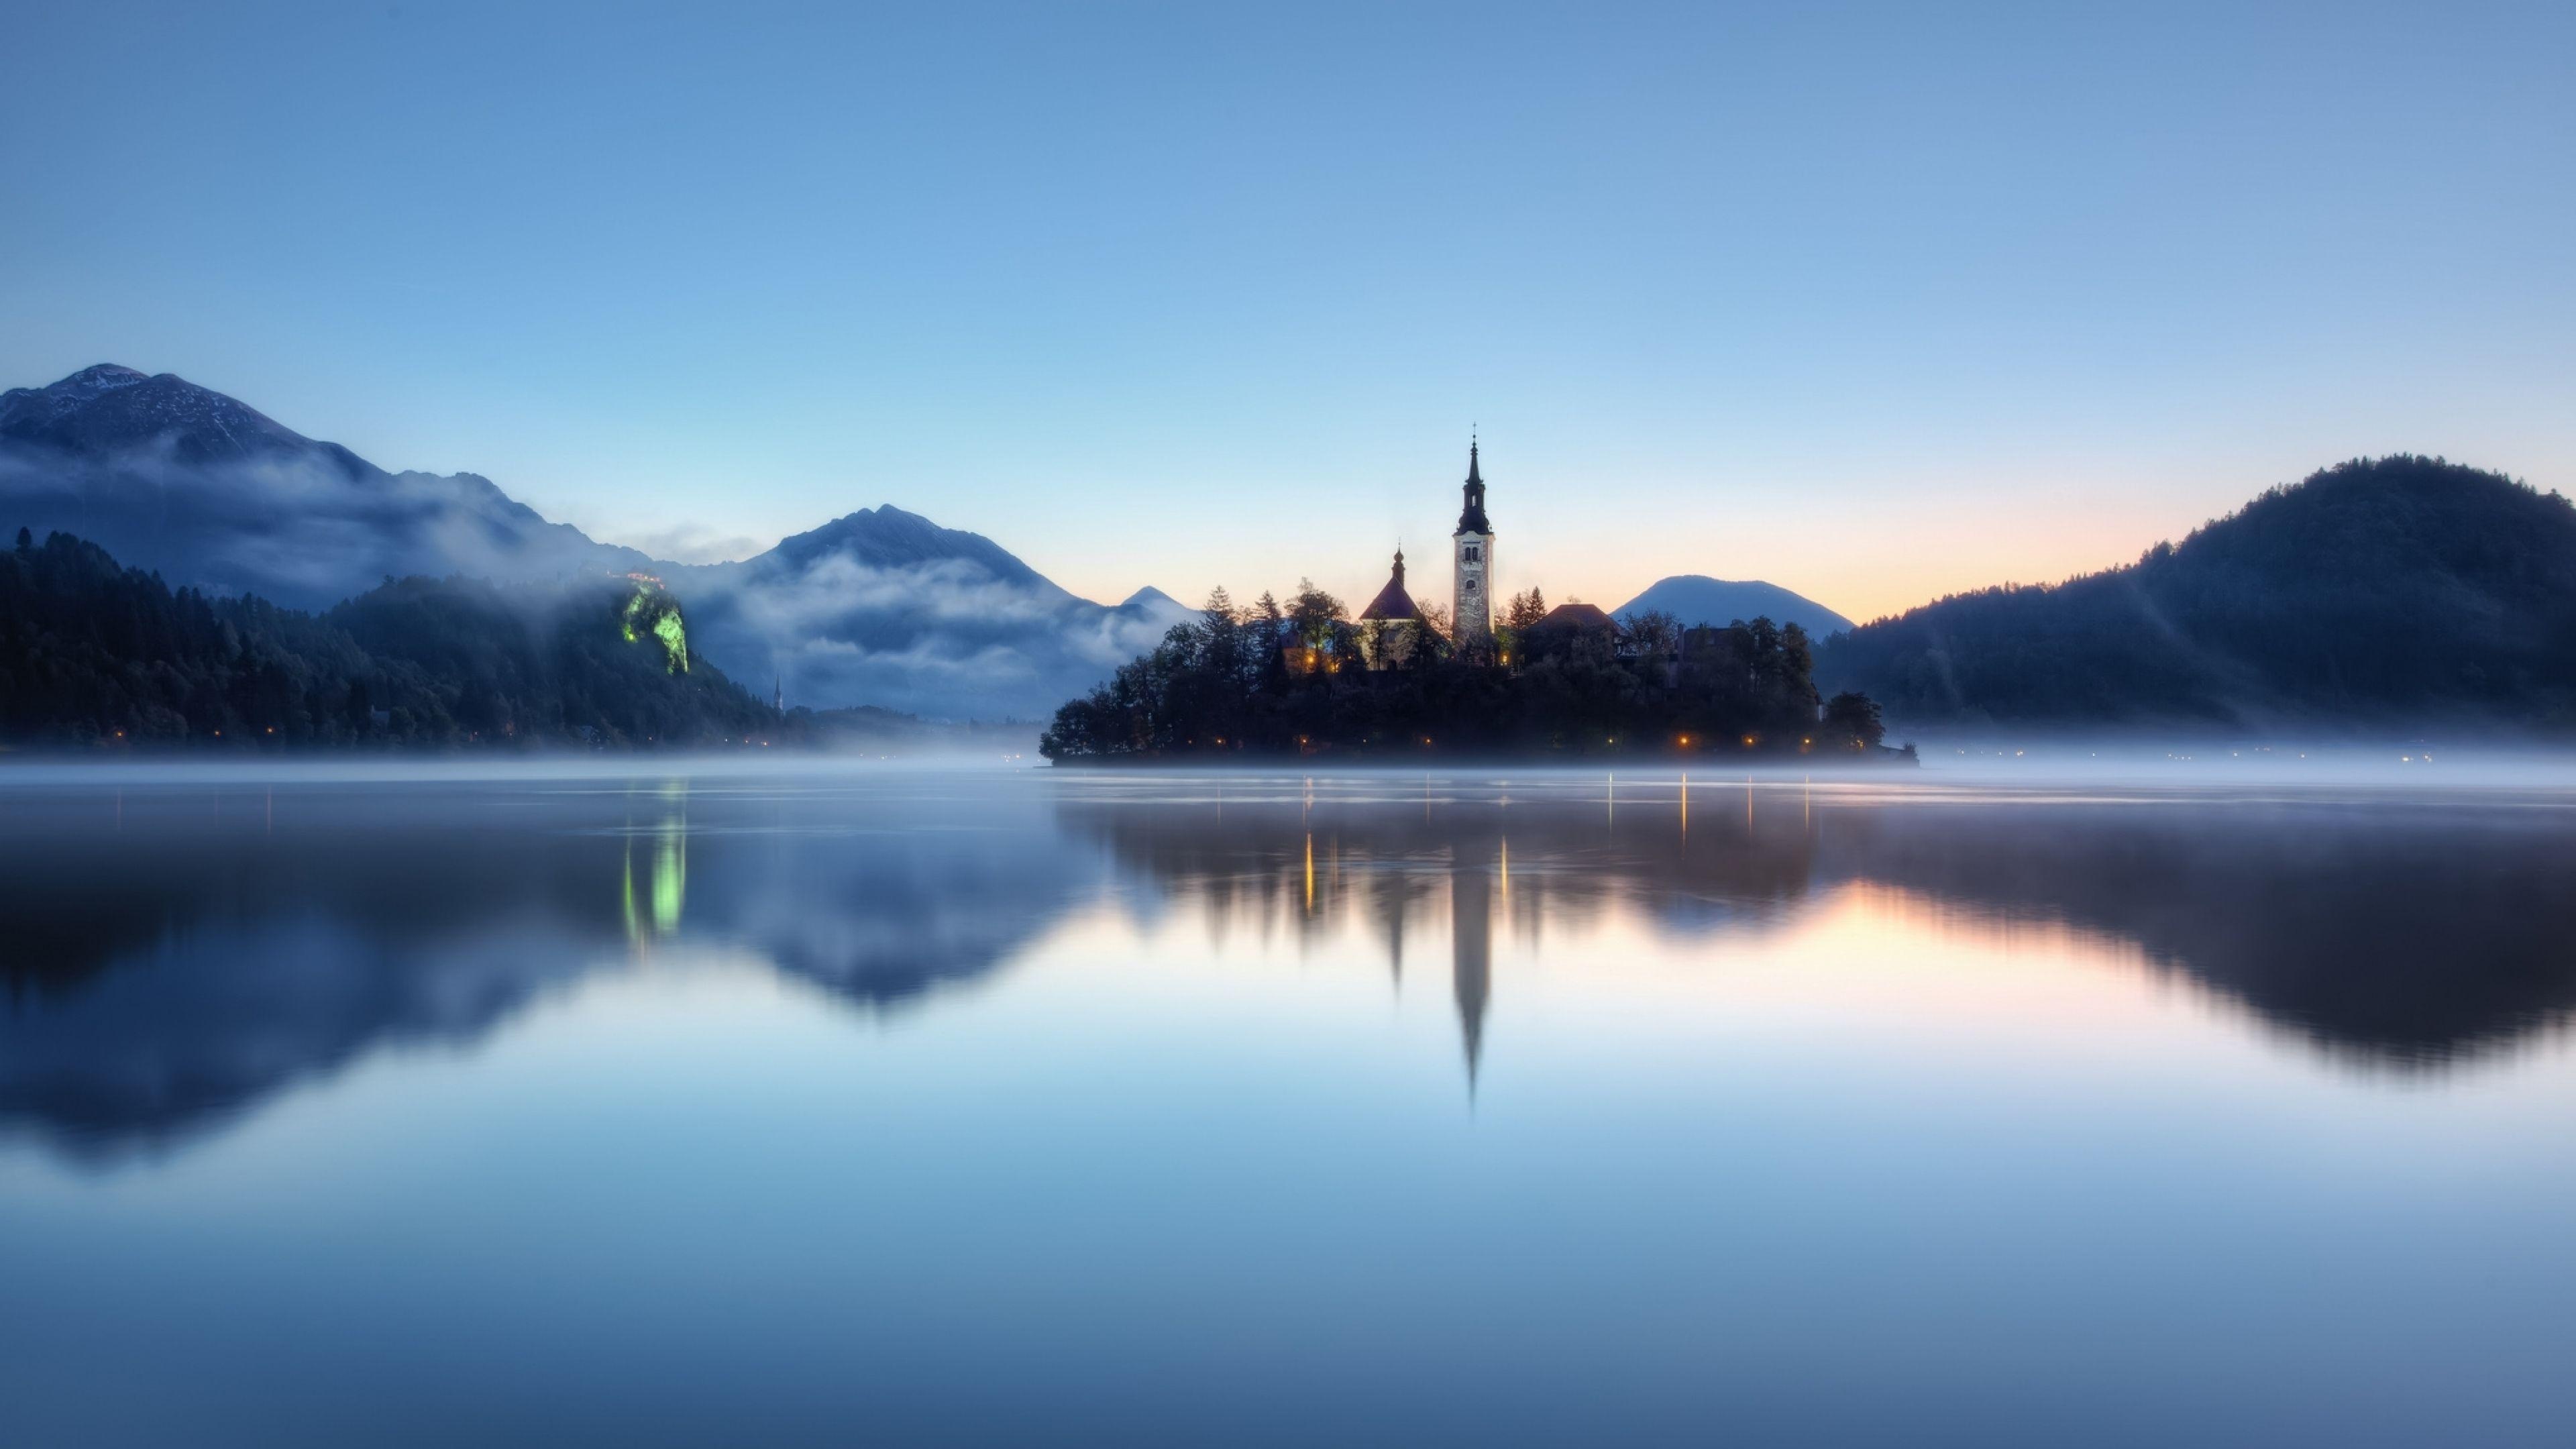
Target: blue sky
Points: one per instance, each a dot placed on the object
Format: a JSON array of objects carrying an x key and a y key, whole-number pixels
[{"x": 1874, "y": 302}]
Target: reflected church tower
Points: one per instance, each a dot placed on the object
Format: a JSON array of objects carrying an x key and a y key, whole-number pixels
[
  {"x": 1471, "y": 933},
  {"x": 1473, "y": 546}
]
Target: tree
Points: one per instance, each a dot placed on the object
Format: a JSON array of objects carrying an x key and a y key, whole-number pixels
[
  {"x": 1511, "y": 636},
  {"x": 1322, "y": 627},
  {"x": 1853, "y": 719},
  {"x": 1653, "y": 634},
  {"x": 1315, "y": 613}
]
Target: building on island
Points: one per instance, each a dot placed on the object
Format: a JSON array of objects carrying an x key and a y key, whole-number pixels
[
  {"x": 1472, "y": 608},
  {"x": 1564, "y": 625},
  {"x": 1390, "y": 628},
  {"x": 1394, "y": 629},
  {"x": 1392, "y": 604}
]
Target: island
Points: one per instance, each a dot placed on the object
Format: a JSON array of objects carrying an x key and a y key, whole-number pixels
[
  {"x": 1306, "y": 679},
  {"x": 1402, "y": 680}
]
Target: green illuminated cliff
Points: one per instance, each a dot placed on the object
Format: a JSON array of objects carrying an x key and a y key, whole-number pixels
[{"x": 652, "y": 610}]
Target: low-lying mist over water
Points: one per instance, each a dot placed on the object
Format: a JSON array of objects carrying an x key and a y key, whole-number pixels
[
  {"x": 997, "y": 1101},
  {"x": 2391, "y": 760}
]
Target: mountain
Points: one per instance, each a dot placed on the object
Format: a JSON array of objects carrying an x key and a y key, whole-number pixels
[
  {"x": 1698, "y": 599},
  {"x": 1154, "y": 603},
  {"x": 2401, "y": 589},
  {"x": 1151, "y": 613},
  {"x": 103, "y": 409},
  {"x": 889, "y": 539},
  {"x": 888, "y": 608},
  {"x": 216, "y": 495},
  {"x": 881, "y": 607}
]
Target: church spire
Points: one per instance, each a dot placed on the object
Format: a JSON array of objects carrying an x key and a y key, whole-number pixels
[{"x": 1471, "y": 518}]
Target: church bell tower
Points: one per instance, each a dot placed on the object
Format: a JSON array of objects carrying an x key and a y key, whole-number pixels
[{"x": 1473, "y": 546}]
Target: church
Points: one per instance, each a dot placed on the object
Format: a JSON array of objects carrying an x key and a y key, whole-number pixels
[
  {"x": 1473, "y": 547},
  {"x": 1389, "y": 625}
]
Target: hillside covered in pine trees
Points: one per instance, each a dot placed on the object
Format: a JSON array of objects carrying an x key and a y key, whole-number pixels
[
  {"x": 96, "y": 655},
  {"x": 2399, "y": 590}
]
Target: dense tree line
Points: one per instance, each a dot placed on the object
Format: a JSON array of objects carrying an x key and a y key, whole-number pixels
[
  {"x": 92, "y": 654},
  {"x": 1304, "y": 679},
  {"x": 2401, "y": 588}
]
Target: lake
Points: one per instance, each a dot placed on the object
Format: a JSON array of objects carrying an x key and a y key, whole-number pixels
[{"x": 634, "y": 1105}]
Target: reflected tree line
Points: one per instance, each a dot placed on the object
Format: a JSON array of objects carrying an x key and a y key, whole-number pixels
[
  {"x": 2408, "y": 933},
  {"x": 2404, "y": 934},
  {"x": 179, "y": 956}
]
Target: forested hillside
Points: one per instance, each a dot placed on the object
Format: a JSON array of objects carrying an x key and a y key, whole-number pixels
[
  {"x": 2391, "y": 590},
  {"x": 93, "y": 654}
]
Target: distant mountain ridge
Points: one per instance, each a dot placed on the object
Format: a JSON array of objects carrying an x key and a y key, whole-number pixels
[
  {"x": 879, "y": 607},
  {"x": 1153, "y": 599},
  {"x": 107, "y": 407},
  {"x": 889, "y": 538},
  {"x": 2400, "y": 589},
  {"x": 1694, "y": 599},
  {"x": 214, "y": 494},
  {"x": 886, "y": 607}
]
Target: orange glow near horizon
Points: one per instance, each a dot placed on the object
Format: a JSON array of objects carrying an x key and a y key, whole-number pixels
[{"x": 1891, "y": 544}]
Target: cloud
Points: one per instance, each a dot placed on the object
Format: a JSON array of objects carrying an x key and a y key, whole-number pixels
[
  {"x": 694, "y": 543},
  {"x": 943, "y": 637},
  {"x": 302, "y": 531}
]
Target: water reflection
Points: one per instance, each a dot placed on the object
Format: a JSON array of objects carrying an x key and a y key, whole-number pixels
[
  {"x": 667, "y": 880},
  {"x": 2398, "y": 931},
  {"x": 2402, "y": 933},
  {"x": 1471, "y": 950},
  {"x": 178, "y": 955}
]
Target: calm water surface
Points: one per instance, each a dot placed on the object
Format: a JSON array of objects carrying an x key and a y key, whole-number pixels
[{"x": 908, "y": 1106}]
